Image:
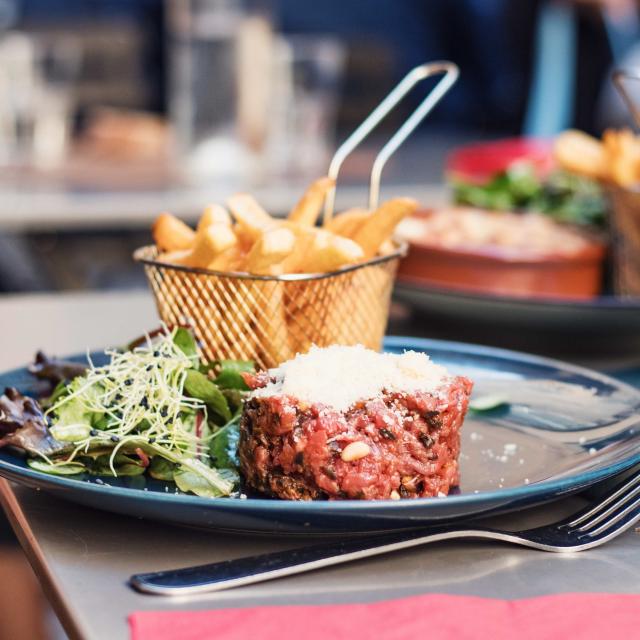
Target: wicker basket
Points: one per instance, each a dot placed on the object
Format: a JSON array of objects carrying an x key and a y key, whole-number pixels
[
  {"x": 269, "y": 319},
  {"x": 625, "y": 226}
]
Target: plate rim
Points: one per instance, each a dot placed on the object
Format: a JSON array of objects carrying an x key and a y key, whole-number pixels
[
  {"x": 539, "y": 490},
  {"x": 601, "y": 303}
]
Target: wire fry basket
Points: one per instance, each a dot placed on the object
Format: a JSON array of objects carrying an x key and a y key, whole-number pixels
[
  {"x": 269, "y": 319},
  {"x": 625, "y": 205},
  {"x": 625, "y": 234}
]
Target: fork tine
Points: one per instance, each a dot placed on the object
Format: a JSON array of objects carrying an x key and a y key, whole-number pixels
[
  {"x": 620, "y": 520},
  {"x": 593, "y": 512},
  {"x": 613, "y": 507}
]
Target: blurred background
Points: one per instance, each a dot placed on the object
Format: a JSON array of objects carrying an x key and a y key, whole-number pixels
[{"x": 115, "y": 110}]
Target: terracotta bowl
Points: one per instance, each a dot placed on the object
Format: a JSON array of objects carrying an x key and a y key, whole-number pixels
[{"x": 489, "y": 270}]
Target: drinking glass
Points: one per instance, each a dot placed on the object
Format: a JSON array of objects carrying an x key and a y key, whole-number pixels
[
  {"x": 307, "y": 78},
  {"x": 211, "y": 45}
]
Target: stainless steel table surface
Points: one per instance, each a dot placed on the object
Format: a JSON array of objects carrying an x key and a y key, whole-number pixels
[
  {"x": 25, "y": 210},
  {"x": 83, "y": 557},
  {"x": 415, "y": 171}
]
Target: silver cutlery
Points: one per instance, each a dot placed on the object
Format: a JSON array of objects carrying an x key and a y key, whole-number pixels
[{"x": 605, "y": 519}]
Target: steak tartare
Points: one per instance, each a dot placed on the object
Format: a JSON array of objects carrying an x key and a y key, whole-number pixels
[{"x": 349, "y": 423}]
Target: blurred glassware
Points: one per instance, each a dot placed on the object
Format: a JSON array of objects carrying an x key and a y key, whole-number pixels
[
  {"x": 219, "y": 53},
  {"x": 307, "y": 75},
  {"x": 37, "y": 75}
]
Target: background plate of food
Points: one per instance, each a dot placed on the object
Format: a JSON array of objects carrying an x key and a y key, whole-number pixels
[
  {"x": 607, "y": 324},
  {"x": 540, "y": 234},
  {"x": 536, "y": 429}
]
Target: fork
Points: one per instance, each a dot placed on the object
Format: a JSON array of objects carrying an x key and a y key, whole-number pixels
[{"x": 607, "y": 518}]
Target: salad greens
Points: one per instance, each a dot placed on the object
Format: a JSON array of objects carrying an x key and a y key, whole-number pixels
[
  {"x": 151, "y": 409},
  {"x": 564, "y": 196}
]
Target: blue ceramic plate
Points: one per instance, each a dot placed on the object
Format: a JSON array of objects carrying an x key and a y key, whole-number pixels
[
  {"x": 564, "y": 429},
  {"x": 603, "y": 317}
]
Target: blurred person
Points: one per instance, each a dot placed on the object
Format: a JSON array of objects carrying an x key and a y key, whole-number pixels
[
  {"x": 493, "y": 42},
  {"x": 479, "y": 35},
  {"x": 622, "y": 21}
]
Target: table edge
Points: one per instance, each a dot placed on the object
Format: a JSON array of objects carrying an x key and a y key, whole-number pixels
[{"x": 36, "y": 557}]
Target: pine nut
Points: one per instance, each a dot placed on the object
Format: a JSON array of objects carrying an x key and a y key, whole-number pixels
[
  {"x": 395, "y": 495},
  {"x": 355, "y": 451}
]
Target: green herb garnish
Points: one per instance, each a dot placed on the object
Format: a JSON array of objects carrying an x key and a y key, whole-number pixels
[{"x": 151, "y": 409}]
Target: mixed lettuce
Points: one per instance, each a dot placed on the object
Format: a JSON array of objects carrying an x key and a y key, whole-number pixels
[
  {"x": 152, "y": 409},
  {"x": 563, "y": 196}
]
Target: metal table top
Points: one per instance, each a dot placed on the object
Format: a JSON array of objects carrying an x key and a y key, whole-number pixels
[
  {"x": 84, "y": 557},
  {"x": 34, "y": 206}
]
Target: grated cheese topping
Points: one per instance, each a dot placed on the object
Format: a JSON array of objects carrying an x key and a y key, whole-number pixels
[{"x": 339, "y": 376}]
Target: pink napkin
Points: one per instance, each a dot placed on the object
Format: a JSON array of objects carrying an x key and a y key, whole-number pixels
[{"x": 431, "y": 617}]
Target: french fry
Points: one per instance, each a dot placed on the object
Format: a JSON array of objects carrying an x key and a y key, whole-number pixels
[
  {"x": 626, "y": 171},
  {"x": 222, "y": 327},
  {"x": 318, "y": 251},
  {"x": 330, "y": 252},
  {"x": 273, "y": 332},
  {"x": 304, "y": 239},
  {"x": 171, "y": 234},
  {"x": 308, "y": 208},
  {"x": 611, "y": 143},
  {"x": 269, "y": 250},
  {"x": 245, "y": 240},
  {"x": 623, "y": 149},
  {"x": 359, "y": 290},
  {"x": 174, "y": 257},
  {"x": 349, "y": 314},
  {"x": 259, "y": 244},
  {"x": 253, "y": 219},
  {"x": 343, "y": 299},
  {"x": 297, "y": 314},
  {"x": 213, "y": 214},
  {"x": 578, "y": 152},
  {"x": 387, "y": 248},
  {"x": 210, "y": 242},
  {"x": 380, "y": 225},
  {"x": 348, "y": 222},
  {"x": 232, "y": 259},
  {"x": 312, "y": 323}
]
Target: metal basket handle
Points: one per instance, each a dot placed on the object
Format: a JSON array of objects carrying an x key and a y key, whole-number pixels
[
  {"x": 619, "y": 75},
  {"x": 422, "y": 72}
]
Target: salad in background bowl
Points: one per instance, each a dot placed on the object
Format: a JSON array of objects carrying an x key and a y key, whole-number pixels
[
  {"x": 521, "y": 174},
  {"x": 520, "y": 226}
]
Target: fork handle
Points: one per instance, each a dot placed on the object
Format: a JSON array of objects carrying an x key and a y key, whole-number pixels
[{"x": 259, "y": 568}]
